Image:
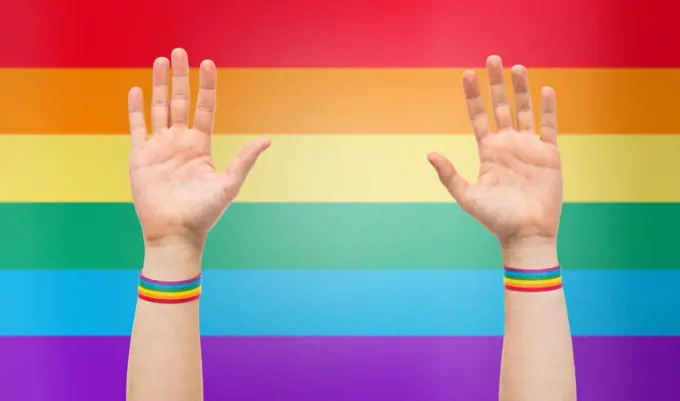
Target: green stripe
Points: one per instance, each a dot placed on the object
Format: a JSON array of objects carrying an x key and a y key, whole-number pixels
[
  {"x": 170, "y": 288},
  {"x": 533, "y": 277},
  {"x": 341, "y": 235}
]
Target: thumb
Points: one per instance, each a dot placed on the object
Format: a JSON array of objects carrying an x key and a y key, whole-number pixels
[
  {"x": 448, "y": 176},
  {"x": 243, "y": 162}
]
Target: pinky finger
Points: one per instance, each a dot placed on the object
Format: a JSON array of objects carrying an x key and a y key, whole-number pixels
[
  {"x": 136, "y": 116},
  {"x": 548, "y": 115}
]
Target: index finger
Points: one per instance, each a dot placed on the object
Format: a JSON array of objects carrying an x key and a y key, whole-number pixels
[
  {"x": 207, "y": 97},
  {"x": 136, "y": 117},
  {"x": 548, "y": 115}
]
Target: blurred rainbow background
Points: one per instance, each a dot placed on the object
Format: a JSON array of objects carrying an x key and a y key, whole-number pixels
[{"x": 344, "y": 272}]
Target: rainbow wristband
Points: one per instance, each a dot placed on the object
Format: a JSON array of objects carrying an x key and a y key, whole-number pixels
[
  {"x": 532, "y": 280},
  {"x": 169, "y": 292}
]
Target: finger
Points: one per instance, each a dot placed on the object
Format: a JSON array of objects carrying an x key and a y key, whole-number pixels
[
  {"x": 159, "y": 95},
  {"x": 448, "y": 176},
  {"x": 207, "y": 98},
  {"x": 475, "y": 105},
  {"x": 179, "y": 104},
  {"x": 548, "y": 115},
  {"x": 136, "y": 116},
  {"x": 244, "y": 162},
  {"x": 520, "y": 85},
  {"x": 499, "y": 95}
]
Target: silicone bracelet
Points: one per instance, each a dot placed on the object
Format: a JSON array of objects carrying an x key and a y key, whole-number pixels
[
  {"x": 169, "y": 292},
  {"x": 540, "y": 280}
]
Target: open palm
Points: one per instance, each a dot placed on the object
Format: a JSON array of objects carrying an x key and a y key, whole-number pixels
[
  {"x": 518, "y": 194},
  {"x": 177, "y": 191}
]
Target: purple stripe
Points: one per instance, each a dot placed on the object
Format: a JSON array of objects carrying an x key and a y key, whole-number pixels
[
  {"x": 187, "y": 281},
  {"x": 548, "y": 270},
  {"x": 334, "y": 368}
]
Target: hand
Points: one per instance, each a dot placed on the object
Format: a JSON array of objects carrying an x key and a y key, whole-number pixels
[
  {"x": 518, "y": 194},
  {"x": 178, "y": 193}
]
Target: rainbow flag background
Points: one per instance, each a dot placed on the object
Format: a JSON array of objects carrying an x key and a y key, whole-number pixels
[{"x": 344, "y": 272}]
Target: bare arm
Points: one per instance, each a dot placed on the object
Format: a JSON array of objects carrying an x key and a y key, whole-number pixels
[
  {"x": 179, "y": 196},
  {"x": 538, "y": 362},
  {"x": 165, "y": 351},
  {"x": 518, "y": 197}
]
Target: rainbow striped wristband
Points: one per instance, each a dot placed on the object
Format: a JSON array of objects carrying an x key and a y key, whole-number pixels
[
  {"x": 532, "y": 280},
  {"x": 169, "y": 292}
]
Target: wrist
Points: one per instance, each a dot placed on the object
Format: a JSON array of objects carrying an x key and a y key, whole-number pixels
[
  {"x": 176, "y": 239},
  {"x": 172, "y": 260},
  {"x": 530, "y": 253}
]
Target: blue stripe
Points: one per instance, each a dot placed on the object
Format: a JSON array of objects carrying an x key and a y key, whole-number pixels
[
  {"x": 521, "y": 276},
  {"x": 338, "y": 302},
  {"x": 170, "y": 287}
]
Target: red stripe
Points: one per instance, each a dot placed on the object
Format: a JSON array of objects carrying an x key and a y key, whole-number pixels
[
  {"x": 342, "y": 33},
  {"x": 168, "y": 301},
  {"x": 529, "y": 289}
]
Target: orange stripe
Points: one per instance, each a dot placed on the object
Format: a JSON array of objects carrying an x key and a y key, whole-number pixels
[{"x": 300, "y": 101}]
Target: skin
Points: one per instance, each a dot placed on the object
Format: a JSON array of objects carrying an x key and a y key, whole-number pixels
[
  {"x": 518, "y": 197},
  {"x": 179, "y": 195}
]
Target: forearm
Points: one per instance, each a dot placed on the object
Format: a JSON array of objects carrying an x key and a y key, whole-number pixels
[
  {"x": 165, "y": 350},
  {"x": 538, "y": 363}
]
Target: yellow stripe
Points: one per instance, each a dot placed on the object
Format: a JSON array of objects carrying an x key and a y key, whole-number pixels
[
  {"x": 532, "y": 284},
  {"x": 169, "y": 295},
  {"x": 338, "y": 168}
]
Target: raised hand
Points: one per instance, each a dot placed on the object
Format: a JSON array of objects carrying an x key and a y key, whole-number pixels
[
  {"x": 178, "y": 193},
  {"x": 518, "y": 194}
]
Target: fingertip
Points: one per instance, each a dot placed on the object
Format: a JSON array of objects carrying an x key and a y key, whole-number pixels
[
  {"x": 135, "y": 100},
  {"x": 161, "y": 62},
  {"x": 135, "y": 91},
  {"x": 470, "y": 78},
  {"x": 494, "y": 61},
  {"x": 469, "y": 75},
  {"x": 160, "y": 71},
  {"x": 207, "y": 75},
  {"x": 257, "y": 146},
  {"x": 433, "y": 157},
  {"x": 547, "y": 92},
  {"x": 178, "y": 53},
  {"x": 494, "y": 69},
  {"x": 548, "y": 101},
  {"x": 520, "y": 79},
  {"x": 518, "y": 70},
  {"x": 208, "y": 65},
  {"x": 264, "y": 144},
  {"x": 440, "y": 163},
  {"x": 179, "y": 61},
  {"x": 448, "y": 175},
  {"x": 470, "y": 84}
]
